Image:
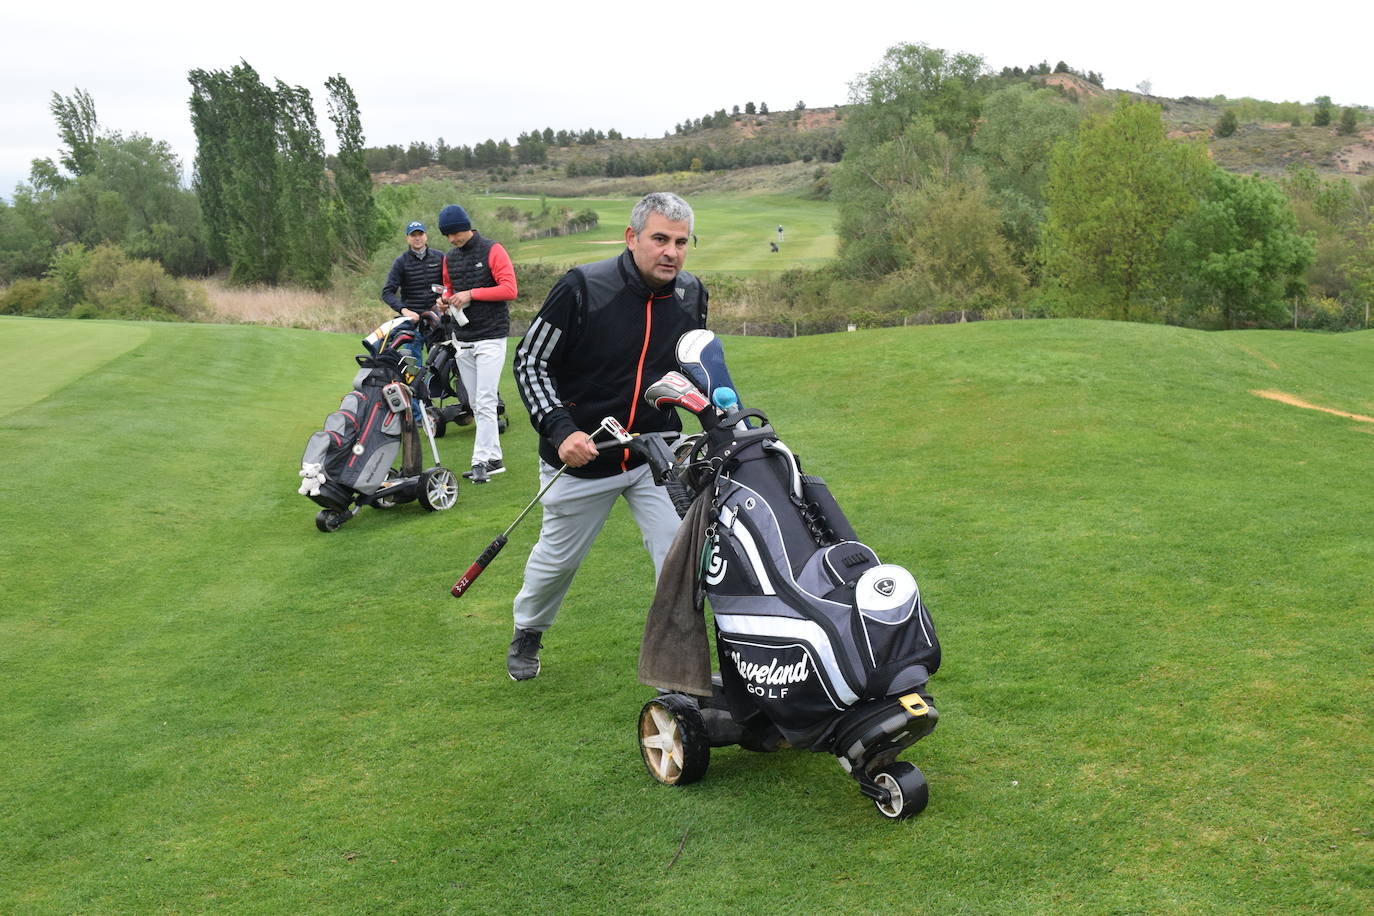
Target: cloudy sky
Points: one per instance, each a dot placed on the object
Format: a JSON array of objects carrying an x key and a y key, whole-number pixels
[{"x": 466, "y": 72}]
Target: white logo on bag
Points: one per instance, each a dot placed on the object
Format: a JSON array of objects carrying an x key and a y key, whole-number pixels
[
  {"x": 771, "y": 673},
  {"x": 885, "y": 587},
  {"x": 715, "y": 566}
]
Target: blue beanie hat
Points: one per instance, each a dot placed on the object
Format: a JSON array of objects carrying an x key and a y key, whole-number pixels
[{"x": 454, "y": 218}]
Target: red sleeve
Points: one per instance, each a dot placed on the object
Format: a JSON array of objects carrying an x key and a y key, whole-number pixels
[
  {"x": 448, "y": 287},
  {"x": 503, "y": 271}
]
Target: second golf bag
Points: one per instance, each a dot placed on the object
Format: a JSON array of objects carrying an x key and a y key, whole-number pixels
[
  {"x": 443, "y": 380},
  {"x": 820, "y": 645}
]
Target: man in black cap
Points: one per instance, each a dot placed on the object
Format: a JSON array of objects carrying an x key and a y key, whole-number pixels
[{"x": 479, "y": 278}]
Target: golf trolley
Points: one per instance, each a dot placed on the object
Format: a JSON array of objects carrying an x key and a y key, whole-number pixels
[
  {"x": 349, "y": 463},
  {"x": 819, "y": 645}
]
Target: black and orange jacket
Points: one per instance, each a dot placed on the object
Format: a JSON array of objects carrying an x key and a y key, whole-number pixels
[{"x": 600, "y": 339}]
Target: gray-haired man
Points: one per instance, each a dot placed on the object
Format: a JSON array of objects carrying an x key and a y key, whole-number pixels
[{"x": 606, "y": 332}]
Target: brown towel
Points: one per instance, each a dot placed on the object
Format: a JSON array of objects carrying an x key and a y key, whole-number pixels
[{"x": 675, "y": 653}]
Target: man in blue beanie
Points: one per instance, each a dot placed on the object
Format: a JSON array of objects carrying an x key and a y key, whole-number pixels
[{"x": 479, "y": 278}]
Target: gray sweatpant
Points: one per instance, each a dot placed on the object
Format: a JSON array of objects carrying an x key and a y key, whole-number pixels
[{"x": 575, "y": 509}]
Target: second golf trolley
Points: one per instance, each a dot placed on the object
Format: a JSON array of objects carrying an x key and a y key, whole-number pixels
[{"x": 819, "y": 645}]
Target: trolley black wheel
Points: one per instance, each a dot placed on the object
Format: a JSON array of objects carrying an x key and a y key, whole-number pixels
[
  {"x": 502, "y": 424},
  {"x": 438, "y": 489},
  {"x": 440, "y": 424},
  {"x": 328, "y": 520},
  {"x": 673, "y": 740},
  {"x": 907, "y": 787}
]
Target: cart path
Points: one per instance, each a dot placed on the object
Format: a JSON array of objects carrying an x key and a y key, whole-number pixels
[{"x": 1299, "y": 402}]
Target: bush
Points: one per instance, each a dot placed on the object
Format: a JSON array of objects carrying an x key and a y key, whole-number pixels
[
  {"x": 28, "y": 297},
  {"x": 1226, "y": 127}
]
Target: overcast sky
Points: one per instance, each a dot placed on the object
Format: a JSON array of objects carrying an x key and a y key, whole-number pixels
[{"x": 466, "y": 72}]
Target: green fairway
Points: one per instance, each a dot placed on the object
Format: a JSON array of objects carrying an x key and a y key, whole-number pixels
[
  {"x": 733, "y": 231},
  {"x": 1153, "y": 587}
]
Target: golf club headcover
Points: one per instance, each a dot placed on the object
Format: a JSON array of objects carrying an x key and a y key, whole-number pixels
[{"x": 313, "y": 474}]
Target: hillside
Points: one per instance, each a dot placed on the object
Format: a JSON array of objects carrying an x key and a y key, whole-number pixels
[
  {"x": 1153, "y": 589},
  {"x": 1261, "y": 144}
]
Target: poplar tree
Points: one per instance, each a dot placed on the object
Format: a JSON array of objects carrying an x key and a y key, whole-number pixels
[
  {"x": 209, "y": 119},
  {"x": 355, "y": 222},
  {"x": 304, "y": 198},
  {"x": 251, "y": 195}
]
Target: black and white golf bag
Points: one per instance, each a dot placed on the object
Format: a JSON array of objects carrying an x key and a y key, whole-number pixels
[
  {"x": 820, "y": 645},
  {"x": 810, "y": 624}
]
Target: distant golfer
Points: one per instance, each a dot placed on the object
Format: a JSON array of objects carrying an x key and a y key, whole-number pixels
[
  {"x": 605, "y": 333},
  {"x": 779, "y": 233}
]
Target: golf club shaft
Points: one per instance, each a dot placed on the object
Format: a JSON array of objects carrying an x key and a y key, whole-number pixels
[
  {"x": 465, "y": 581},
  {"x": 475, "y": 570}
]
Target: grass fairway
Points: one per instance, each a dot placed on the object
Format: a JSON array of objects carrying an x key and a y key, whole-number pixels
[
  {"x": 1154, "y": 590},
  {"x": 733, "y": 232}
]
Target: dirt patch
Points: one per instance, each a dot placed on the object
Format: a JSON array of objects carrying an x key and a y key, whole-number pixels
[{"x": 1299, "y": 402}]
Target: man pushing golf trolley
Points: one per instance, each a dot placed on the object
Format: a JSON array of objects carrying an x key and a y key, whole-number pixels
[{"x": 819, "y": 644}]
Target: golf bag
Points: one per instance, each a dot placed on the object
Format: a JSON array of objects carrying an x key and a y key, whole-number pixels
[
  {"x": 443, "y": 380},
  {"x": 819, "y": 644},
  {"x": 350, "y": 462}
]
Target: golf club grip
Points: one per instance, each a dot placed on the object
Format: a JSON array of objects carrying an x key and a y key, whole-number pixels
[{"x": 478, "y": 565}]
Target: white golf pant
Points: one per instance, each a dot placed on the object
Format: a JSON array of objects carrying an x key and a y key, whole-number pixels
[
  {"x": 575, "y": 509},
  {"x": 480, "y": 366}
]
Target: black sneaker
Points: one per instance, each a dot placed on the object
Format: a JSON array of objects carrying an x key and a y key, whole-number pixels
[
  {"x": 495, "y": 466},
  {"x": 478, "y": 474},
  {"x": 522, "y": 659}
]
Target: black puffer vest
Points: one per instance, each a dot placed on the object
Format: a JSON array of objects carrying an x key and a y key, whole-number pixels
[
  {"x": 417, "y": 275},
  {"x": 468, "y": 269}
]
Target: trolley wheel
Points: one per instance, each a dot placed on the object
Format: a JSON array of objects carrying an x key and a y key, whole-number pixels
[
  {"x": 907, "y": 787},
  {"x": 384, "y": 502},
  {"x": 440, "y": 424},
  {"x": 502, "y": 424},
  {"x": 328, "y": 520},
  {"x": 673, "y": 740},
  {"x": 438, "y": 489}
]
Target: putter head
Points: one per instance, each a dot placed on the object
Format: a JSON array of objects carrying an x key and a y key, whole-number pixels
[
  {"x": 702, "y": 360},
  {"x": 616, "y": 430},
  {"x": 674, "y": 390}
]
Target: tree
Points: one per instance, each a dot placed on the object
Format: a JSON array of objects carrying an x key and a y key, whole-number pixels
[
  {"x": 1347, "y": 126},
  {"x": 749, "y": 108},
  {"x": 251, "y": 197},
  {"x": 304, "y": 198},
  {"x": 1322, "y": 116},
  {"x": 912, "y": 119},
  {"x": 1240, "y": 250},
  {"x": 1021, "y": 125},
  {"x": 1115, "y": 189},
  {"x": 1226, "y": 125},
  {"x": 355, "y": 222},
  {"x": 78, "y": 128},
  {"x": 956, "y": 255},
  {"x": 763, "y": 108},
  {"x": 914, "y": 81}
]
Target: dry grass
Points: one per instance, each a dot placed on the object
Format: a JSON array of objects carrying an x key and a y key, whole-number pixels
[{"x": 288, "y": 307}]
